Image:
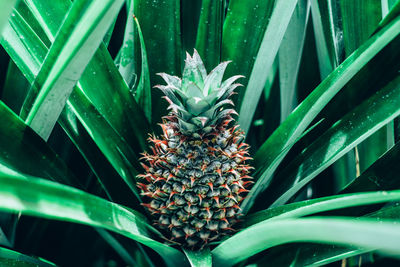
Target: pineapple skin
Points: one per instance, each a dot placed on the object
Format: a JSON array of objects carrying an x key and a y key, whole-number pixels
[
  {"x": 194, "y": 186},
  {"x": 196, "y": 175}
]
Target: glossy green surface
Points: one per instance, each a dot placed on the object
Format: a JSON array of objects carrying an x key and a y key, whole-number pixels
[
  {"x": 353, "y": 128},
  {"x": 269, "y": 46},
  {"x": 200, "y": 258},
  {"x": 38, "y": 197},
  {"x": 382, "y": 236},
  {"x": 306, "y": 155},
  {"x": 75, "y": 43},
  {"x": 277, "y": 145},
  {"x": 12, "y": 258},
  {"x": 313, "y": 206}
]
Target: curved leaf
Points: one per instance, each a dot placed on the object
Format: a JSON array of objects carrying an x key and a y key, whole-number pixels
[
  {"x": 265, "y": 58},
  {"x": 75, "y": 44},
  {"x": 127, "y": 61},
  {"x": 352, "y": 129},
  {"x": 290, "y": 54},
  {"x": 200, "y": 258},
  {"x": 363, "y": 233},
  {"x": 45, "y": 199},
  {"x": 162, "y": 35},
  {"x": 209, "y": 32},
  {"x": 143, "y": 89},
  {"x": 123, "y": 113},
  {"x": 113, "y": 146},
  {"x": 28, "y": 153},
  {"x": 12, "y": 258},
  {"x": 313, "y": 206},
  {"x": 6, "y": 9},
  {"x": 272, "y": 152},
  {"x": 243, "y": 30}
]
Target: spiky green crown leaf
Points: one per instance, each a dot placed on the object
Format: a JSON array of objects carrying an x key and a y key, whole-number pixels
[{"x": 198, "y": 99}]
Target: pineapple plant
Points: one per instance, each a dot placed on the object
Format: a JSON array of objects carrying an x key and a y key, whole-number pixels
[
  {"x": 197, "y": 175},
  {"x": 107, "y": 160}
]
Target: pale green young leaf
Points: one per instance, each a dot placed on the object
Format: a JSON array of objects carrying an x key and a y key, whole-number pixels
[
  {"x": 123, "y": 113},
  {"x": 264, "y": 60},
  {"x": 6, "y": 9},
  {"x": 290, "y": 54},
  {"x": 364, "y": 233},
  {"x": 75, "y": 44}
]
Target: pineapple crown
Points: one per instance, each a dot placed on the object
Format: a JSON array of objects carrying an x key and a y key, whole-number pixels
[{"x": 197, "y": 100}]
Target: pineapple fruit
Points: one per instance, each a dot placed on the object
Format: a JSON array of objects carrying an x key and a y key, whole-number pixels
[{"x": 196, "y": 176}]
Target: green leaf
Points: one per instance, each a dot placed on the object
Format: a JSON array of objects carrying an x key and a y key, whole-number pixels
[
  {"x": 127, "y": 61},
  {"x": 265, "y": 58},
  {"x": 45, "y": 199},
  {"x": 199, "y": 258},
  {"x": 209, "y": 32},
  {"x": 28, "y": 153},
  {"x": 23, "y": 46},
  {"x": 15, "y": 88},
  {"x": 313, "y": 206},
  {"x": 164, "y": 49},
  {"x": 271, "y": 153},
  {"x": 111, "y": 144},
  {"x": 6, "y": 9},
  {"x": 12, "y": 258},
  {"x": 360, "y": 18},
  {"x": 108, "y": 177},
  {"x": 352, "y": 129},
  {"x": 123, "y": 113},
  {"x": 113, "y": 147},
  {"x": 381, "y": 175},
  {"x": 325, "y": 39},
  {"x": 73, "y": 48},
  {"x": 143, "y": 89},
  {"x": 243, "y": 31},
  {"x": 364, "y": 233},
  {"x": 290, "y": 53}
]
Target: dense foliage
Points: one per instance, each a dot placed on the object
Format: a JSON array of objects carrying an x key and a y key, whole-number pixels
[{"x": 319, "y": 108}]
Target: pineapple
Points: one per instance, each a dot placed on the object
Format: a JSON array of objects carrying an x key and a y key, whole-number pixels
[{"x": 196, "y": 175}]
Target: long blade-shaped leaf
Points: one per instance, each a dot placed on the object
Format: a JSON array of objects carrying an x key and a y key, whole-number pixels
[
  {"x": 164, "y": 49},
  {"x": 275, "y": 148},
  {"x": 143, "y": 89},
  {"x": 41, "y": 198},
  {"x": 209, "y": 32},
  {"x": 364, "y": 233},
  {"x": 27, "y": 153},
  {"x": 6, "y": 9},
  {"x": 243, "y": 30},
  {"x": 352, "y": 129},
  {"x": 113, "y": 185},
  {"x": 382, "y": 175},
  {"x": 12, "y": 258},
  {"x": 200, "y": 258},
  {"x": 127, "y": 61},
  {"x": 290, "y": 53},
  {"x": 123, "y": 113},
  {"x": 74, "y": 46},
  {"x": 265, "y": 58},
  {"x": 113, "y": 146},
  {"x": 313, "y": 206}
]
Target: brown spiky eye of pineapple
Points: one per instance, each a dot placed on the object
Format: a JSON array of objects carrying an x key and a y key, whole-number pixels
[{"x": 196, "y": 175}]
